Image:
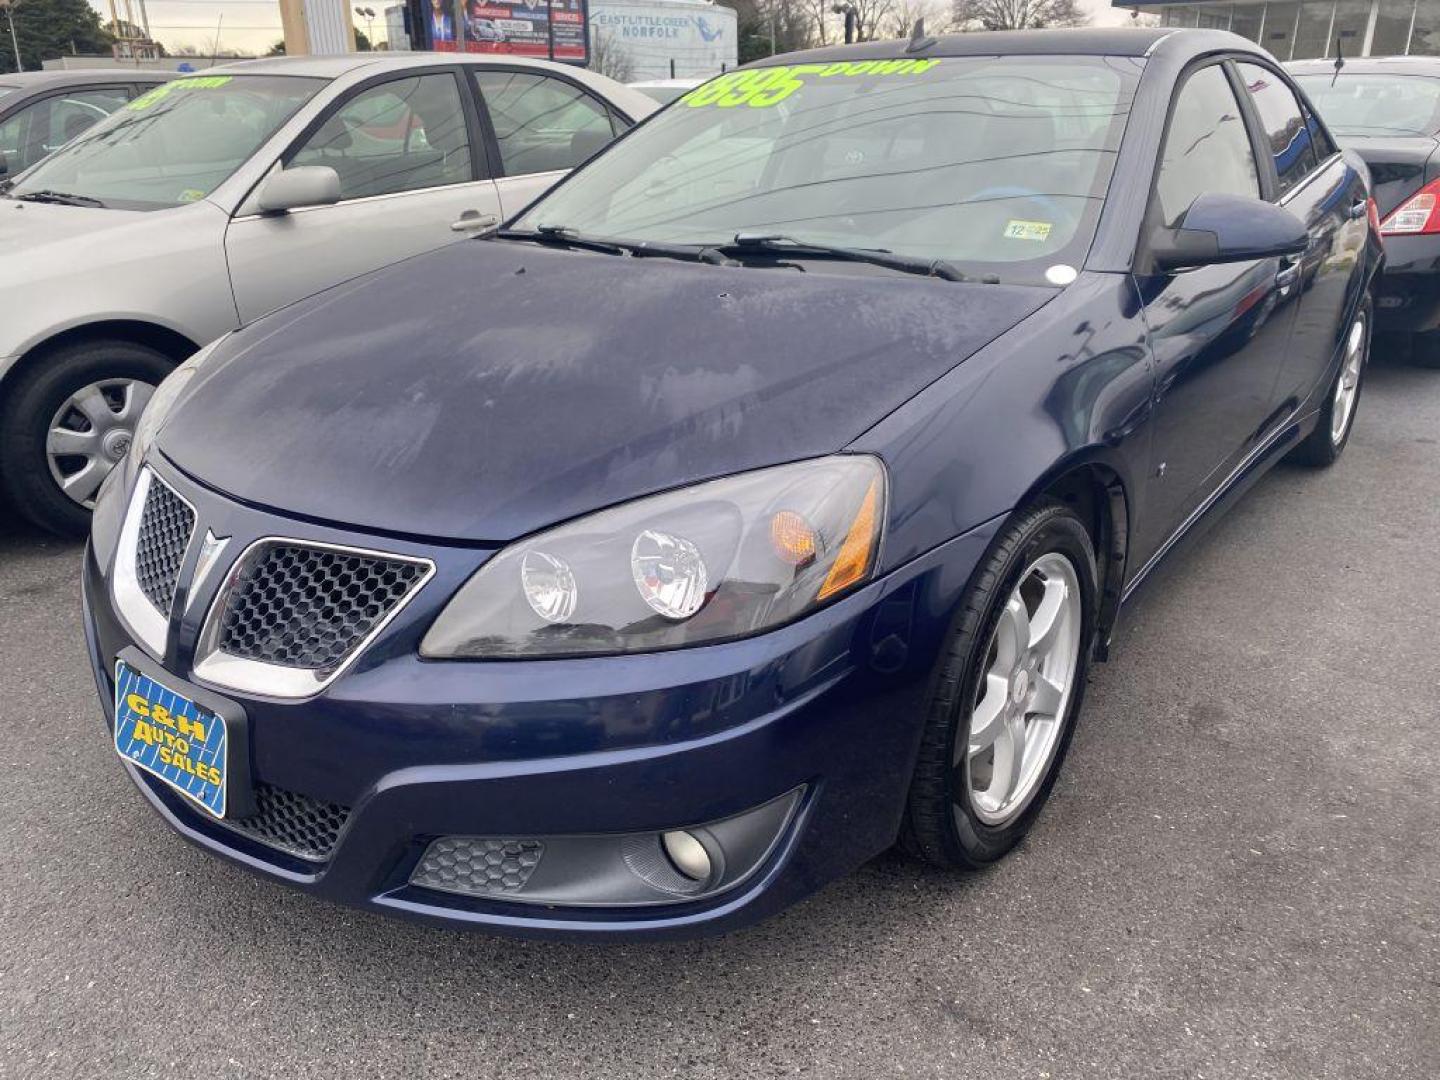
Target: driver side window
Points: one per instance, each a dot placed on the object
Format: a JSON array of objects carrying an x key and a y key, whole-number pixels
[{"x": 1207, "y": 148}]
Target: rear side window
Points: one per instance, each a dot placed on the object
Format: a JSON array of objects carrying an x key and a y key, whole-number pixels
[
  {"x": 543, "y": 124},
  {"x": 1289, "y": 137},
  {"x": 1207, "y": 148}
]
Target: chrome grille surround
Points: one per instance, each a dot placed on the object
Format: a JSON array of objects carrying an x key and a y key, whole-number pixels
[
  {"x": 166, "y": 525},
  {"x": 144, "y": 588},
  {"x": 292, "y": 614}
]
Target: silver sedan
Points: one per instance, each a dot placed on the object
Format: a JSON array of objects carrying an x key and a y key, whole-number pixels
[{"x": 211, "y": 200}]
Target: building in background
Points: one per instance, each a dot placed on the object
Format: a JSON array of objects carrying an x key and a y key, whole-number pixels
[
  {"x": 545, "y": 29},
  {"x": 1294, "y": 30},
  {"x": 663, "y": 39}
]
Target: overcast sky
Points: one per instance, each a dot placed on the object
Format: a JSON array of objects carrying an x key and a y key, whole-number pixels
[{"x": 254, "y": 25}]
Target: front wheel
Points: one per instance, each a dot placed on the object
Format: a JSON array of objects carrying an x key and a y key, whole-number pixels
[
  {"x": 1011, "y": 681},
  {"x": 68, "y": 421},
  {"x": 1324, "y": 445}
]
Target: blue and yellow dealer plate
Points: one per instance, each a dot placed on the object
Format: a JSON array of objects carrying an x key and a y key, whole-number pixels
[{"x": 170, "y": 736}]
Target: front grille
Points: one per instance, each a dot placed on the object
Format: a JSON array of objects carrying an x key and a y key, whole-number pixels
[
  {"x": 296, "y": 824},
  {"x": 165, "y": 526},
  {"x": 308, "y": 607},
  {"x": 476, "y": 865}
]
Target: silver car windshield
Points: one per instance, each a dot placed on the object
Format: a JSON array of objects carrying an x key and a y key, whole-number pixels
[
  {"x": 174, "y": 144},
  {"x": 1375, "y": 104},
  {"x": 998, "y": 165}
]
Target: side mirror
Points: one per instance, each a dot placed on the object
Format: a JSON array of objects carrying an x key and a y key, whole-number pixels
[
  {"x": 303, "y": 185},
  {"x": 1225, "y": 229}
]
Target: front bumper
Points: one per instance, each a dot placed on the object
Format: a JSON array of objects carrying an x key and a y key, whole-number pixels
[
  {"x": 406, "y": 751},
  {"x": 1407, "y": 297}
]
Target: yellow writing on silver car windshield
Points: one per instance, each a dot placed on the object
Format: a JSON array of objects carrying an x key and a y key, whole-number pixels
[
  {"x": 760, "y": 88},
  {"x": 164, "y": 90}
]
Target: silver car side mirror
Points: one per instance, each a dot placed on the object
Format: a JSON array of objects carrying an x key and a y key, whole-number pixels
[{"x": 303, "y": 185}]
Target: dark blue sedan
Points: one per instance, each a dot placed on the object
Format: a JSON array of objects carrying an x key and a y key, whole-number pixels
[{"x": 755, "y": 500}]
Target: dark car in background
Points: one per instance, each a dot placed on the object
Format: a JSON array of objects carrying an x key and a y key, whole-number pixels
[
  {"x": 1387, "y": 110},
  {"x": 40, "y": 111},
  {"x": 757, "y": 498}
]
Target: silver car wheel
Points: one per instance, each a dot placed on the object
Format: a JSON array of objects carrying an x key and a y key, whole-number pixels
[
  {"x": 1347, "y": 388},
  {"x": 91, "y": 432},
  {"x": 1020, "y": 703}
]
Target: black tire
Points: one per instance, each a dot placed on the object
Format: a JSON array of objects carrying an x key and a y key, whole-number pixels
[
  {"x": 941, "y": 825},
  {"x": 1320, "y": 449},
  {"x": 31, "y": 404}
]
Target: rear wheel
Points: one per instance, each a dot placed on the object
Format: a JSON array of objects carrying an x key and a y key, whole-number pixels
[
  {"x": 68, "y": 421},
  {"x": 1326, "y": 443},
  {"x": 1012, "y": 678}
]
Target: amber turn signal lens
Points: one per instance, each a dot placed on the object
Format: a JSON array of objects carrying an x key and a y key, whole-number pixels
[
  {"x": 853, "y": 561},
  {"x": 793, "y": 538}
]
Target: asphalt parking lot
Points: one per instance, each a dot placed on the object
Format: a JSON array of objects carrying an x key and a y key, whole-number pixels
[{"x": 1239, "y": 874}]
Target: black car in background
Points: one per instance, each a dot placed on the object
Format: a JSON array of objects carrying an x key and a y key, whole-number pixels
[
  {"x": 1387, "y": 109},
  {"x": 40, "y": 111}
]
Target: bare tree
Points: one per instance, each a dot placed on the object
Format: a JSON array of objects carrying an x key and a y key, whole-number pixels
[
  {"x": 901, "y": 21},
  {"x": 608, "y": 58},
  {"x": 1018, "y": 14}
]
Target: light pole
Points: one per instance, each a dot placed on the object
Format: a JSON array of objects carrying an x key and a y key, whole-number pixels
[
  {"x": 9, "y": 6},
  {"x": 368, "y": 14}
]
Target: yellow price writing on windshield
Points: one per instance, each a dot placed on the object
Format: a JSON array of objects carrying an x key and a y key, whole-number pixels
[
  {"x": 164, "y": 90},
  {"x": 759, "y": 88}
]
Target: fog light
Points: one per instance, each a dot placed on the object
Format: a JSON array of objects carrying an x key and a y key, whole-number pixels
[{"x": 688, "y": 855}]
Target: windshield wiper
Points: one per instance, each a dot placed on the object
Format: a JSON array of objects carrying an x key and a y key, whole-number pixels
[
  {"x": 62, "y": 197},
  {"x": 774, "y": 244},
  {"x": 568, "y": 236}
]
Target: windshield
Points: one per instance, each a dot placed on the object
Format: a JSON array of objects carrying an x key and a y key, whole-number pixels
[
  {"x": 998, "y": 165},
  {"x": 1362, "y": 104},
  {"x": 174, "y": 144}
]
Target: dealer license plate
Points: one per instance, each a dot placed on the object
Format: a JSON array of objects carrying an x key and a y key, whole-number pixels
[{"x": 170, "y": 736}]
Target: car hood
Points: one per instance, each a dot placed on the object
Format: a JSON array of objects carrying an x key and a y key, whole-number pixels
[
  {"x": 40, "y": 238},
  {"x": 489, "y": 389}
]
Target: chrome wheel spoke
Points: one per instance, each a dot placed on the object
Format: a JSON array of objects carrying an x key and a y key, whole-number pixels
[
  {"x": 1012, "y": 636},
  {"x": 1045, "y": 625},
  {"x": 95, "y": 407},
  {"x": 137, "y": 396},
  {"x": 1046, "y": 698},
  {"x": 82, "y": 484},
  {"x": 62, "y": 442},
  {"x": 987, "y": 723}
]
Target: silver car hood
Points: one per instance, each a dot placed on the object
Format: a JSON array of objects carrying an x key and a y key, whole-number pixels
[{"x": 27, "y": 226}]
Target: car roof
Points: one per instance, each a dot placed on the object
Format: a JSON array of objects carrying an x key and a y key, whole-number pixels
[
  {"x": 1089, "y": 41},
  {"x": 632, "y": 102},
  {"x": 46, "y": 80},
  {"x": 332, "y": 67},
  {"x": 1369, "y": 65}
]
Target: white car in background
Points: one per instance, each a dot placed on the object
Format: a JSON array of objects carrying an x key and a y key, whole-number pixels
[
  {"x": 211, "y": 200},
  {"x": 665, "y": 90}
]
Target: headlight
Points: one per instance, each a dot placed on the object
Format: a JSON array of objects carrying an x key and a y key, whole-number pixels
[
  {"x": 707, "y": 563},
  {"x": 157, "y": 409}
]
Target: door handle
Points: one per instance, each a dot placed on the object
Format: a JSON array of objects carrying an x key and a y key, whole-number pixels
[
  {"x": 474, "y": 221},
  {"x": 1289, "y": 272},
  {"x": 1359, "y": 209}
]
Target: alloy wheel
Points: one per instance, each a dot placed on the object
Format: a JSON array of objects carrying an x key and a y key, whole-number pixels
[
  {"x": 1022, "y": 697},
  {"x": 91, "y": 432},
  {"x": 1347, "y": 387}
]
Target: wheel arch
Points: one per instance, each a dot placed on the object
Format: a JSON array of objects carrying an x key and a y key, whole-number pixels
[
  {"x": 164, "y": 339},
  {"x": 1098, "y": 493}
]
